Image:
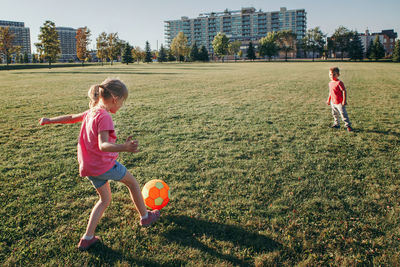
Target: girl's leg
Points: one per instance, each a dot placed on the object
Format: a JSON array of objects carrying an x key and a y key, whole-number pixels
[
  {"x": 98, "y": 210},
  {"x": 135, "y": 192}
]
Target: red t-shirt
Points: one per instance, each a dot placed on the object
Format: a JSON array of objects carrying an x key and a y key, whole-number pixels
[
  {"x": 93, "y": 161},
  {"x": 336, "y": 89}
]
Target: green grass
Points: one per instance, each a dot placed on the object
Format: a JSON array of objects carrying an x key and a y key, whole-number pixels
[{"x": 257, "y": 176}]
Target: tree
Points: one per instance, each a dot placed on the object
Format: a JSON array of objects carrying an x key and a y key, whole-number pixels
[
  {"x": 119, "y": 48},
  {"x": 148, "y": 57},
  {"x": 6, "y": 43},
  {"x": 40, "y": 53},
  {"x": 162, "y": 54},
  {"x": 356, "y": 49},
  {"x": 82, "y": 42},
  {"x": 138, "y": 54},
  {"x": 240, "y": 54},
  {"x": 268, "y": 47},
  {"x": 113, "y": 46},
  {"x": 127, "y": 54},
  {"x": 179, "y": 46},
  {"x": 194, "y": 52},
  {"x": 101, "y": 45},
  {"x": 314, "y": 41},
  {"x": 234, "y": 48},
  {"x": 287, "y": 41},
  {"x": 171, "y": 56},
  {"x": 369, "y": 50},
  {"x": 396, "y": 52},
  {"x": 341, "y": 40},
  {"x": 330, "y": 47},
  {"x": 251, "y": 53},
  {"x": 203, "y": 55},
  {"x": 220, "y": 45},
  {"x": 26, "y": 57},
  {"x": 34, "y": 58},
  {"x": 18, "y": 57},
  {"x": 49, "y": 44},
  {"x": 377, "y": 49}
]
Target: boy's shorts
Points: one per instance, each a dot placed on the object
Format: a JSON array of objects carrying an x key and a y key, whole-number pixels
[{"x": 116, "y": 173}]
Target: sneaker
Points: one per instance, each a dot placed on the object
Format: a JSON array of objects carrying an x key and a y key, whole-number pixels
[
  {"x": 86, "y": 244},
  {"x": 153, "y": 216},
  {"x": 335, "y": 126},
  {"x": 349, "y": 129}
]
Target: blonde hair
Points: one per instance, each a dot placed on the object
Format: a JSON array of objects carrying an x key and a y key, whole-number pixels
[{"x": 108, "y": 88}]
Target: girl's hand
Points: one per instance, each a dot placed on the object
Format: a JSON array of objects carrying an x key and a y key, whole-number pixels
[
  {"x": 328, "y": 103},
  {"x": 44, "y": 121},
  {"x": 131, "y": 145}
]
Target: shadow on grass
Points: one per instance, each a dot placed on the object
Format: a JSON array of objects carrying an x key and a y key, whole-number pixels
[
  {"x": 110, "y": 257},
  {"x": 188, "y": 231},
  {"x": 389, "y": 132}
]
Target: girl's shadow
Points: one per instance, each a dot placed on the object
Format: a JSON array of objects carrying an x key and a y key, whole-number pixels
[
  {"x": 107, "y": 256},
  {"x": 187, "y": 232}
]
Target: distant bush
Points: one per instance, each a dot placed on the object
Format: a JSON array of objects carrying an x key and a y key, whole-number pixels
[{"x": 38, "y": 66}]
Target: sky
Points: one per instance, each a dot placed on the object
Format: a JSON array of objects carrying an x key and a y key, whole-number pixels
[{"x": 141, "y": 21}]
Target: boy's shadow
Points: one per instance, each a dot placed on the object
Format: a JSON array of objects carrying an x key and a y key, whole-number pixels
[
  {"x": 389, "y": 132},
  {"x": 188, "y": 232}
]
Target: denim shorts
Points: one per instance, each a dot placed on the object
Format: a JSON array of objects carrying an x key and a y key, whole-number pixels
[{"x": 116, "y": 173}]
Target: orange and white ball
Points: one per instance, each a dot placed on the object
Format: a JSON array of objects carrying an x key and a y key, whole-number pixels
[{"x": 156, "y": 194}]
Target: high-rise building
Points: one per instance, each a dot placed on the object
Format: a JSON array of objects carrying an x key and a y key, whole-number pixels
[
  {"x": 246, "y": 24},
  {"x": 22, "y": 35},
  {"x": 67, "y": 43}
]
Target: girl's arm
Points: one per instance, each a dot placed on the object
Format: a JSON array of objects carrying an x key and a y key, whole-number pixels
[
  {"x": 73, "y": 118},
  {"x": 105, "y": 146}
]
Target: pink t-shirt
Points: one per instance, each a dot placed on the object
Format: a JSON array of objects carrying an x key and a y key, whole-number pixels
[
  {"x": 92, "y": 161},
  {"x": 336, "y": 89}
]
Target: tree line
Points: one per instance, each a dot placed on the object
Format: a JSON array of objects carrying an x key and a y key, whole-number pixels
[
  {"x": 110, "y": 48},
  {"x": 315, "y": 42}
]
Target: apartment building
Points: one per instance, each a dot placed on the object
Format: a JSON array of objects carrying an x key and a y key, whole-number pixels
[
  {"x": 386, "y": 37},
  {"x": 67, "y": 39},
  {"x": 22, "y": 35},
  {"x": 244, "y": 25}
]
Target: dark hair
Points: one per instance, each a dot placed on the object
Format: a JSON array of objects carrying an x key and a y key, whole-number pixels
[{"x": 335, "y": 70}]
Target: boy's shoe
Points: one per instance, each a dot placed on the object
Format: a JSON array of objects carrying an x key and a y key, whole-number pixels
[
  {"x": 349, "y": 129},
  {"x": 153, "y": 216},
  {"x": 86, "y": 244},
  {"x": 335, "y": 126}
]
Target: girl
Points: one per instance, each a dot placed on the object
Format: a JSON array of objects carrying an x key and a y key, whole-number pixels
[{"x": 97, "y": 153}]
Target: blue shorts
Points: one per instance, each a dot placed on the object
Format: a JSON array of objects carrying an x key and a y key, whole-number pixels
[{"x": 116, "y": 173}]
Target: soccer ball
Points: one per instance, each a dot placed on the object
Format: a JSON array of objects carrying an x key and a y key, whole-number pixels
[{"x": 156, "y": 194}]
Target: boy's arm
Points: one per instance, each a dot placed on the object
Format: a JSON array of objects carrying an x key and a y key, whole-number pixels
[
  {"x": 72, "y": 118},
  {"x": 344, "y": 93},
  {"x": 329, "y": 100},
  {"x": 344, "y": 102},
  {"x": 329, "y": 97},
  {"x": 105, "y": 146}
]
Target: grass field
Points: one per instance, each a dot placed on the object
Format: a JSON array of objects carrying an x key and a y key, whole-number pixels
[{"x": 257, "y": 176}]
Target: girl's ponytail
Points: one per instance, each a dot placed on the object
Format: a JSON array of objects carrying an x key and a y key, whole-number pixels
[
  {"x": 94, "y": 93},
  {"x": 105, "y": 90}
]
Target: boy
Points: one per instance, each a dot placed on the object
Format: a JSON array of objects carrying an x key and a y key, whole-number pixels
[{"x": 337, "y": 99}]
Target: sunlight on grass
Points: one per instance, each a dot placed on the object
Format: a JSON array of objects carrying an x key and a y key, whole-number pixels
[{"x": 256, "y": 174}]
